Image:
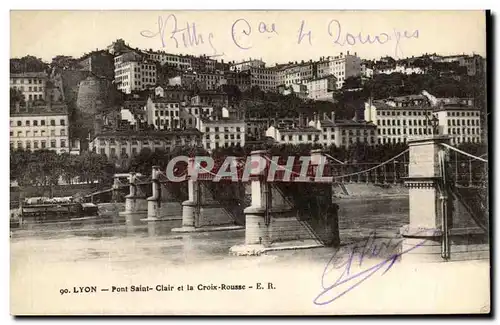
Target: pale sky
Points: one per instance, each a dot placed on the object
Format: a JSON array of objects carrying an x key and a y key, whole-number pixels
[{"x": 46, "y": 34}]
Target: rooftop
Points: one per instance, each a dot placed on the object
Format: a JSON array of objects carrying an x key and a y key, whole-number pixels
[
  {"x": 148, "y": 133},
  {"x": 29, "y": 75},
  {"x": 308, "y": 129},
  {"x": 41, "y": 109}
]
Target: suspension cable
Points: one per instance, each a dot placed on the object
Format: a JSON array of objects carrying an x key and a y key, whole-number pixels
[
  {"x": 333, "y": 158},
  {"x": 375, "y": 167},
  {"x": 463, "y": 152}
]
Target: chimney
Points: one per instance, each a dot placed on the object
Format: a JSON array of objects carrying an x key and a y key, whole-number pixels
[
  {"x": 333, "y": 116},
  {"x": 325, "y": 116}
]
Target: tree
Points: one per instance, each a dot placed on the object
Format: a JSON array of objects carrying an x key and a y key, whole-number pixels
[{"x": 16, "y": 96}]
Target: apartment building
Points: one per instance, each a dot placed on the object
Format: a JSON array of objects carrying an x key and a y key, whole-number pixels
[
  {"x": 341, "y": 66},
  {"x": 31, "y": 84},
  {"x": 134, "y": 73},
  {"x": 129, "y": 143},
  {"x": 40, "y": 127}
]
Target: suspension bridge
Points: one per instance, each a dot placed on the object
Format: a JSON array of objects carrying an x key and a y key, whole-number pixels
[{"x": 296, "y": 203}]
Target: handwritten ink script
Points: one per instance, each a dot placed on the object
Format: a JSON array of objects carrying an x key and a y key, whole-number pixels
[
  {"x": 190, "y": 36},
  {"x": 245, "y": 32},
  {"x": 346, "y": 257}
]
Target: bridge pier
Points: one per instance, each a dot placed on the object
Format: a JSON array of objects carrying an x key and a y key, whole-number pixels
[
  {"x": 272, "y": 221},
  {"x": 429, "y": 236},
  {"x": 135, "y": 203},
  {"x": 201, "y": 212}
]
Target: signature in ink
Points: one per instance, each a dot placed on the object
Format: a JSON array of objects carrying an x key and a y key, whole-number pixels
[
  {"x": 345, "y": 259},
  {"x": 169, "y": 31},
  {"x": 335, "y": 31}
]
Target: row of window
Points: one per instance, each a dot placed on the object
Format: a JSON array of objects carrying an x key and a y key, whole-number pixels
[
  {"x": 29, "y": 81},
  {"x": 35, "y": 133},
  {"x": 22, "y": 88},
  {"x": 166, "y": 113},
  {"x": 353, "y": 132},
  {"x": 464, "y": 131},
  {"x": 62, "y": 122},
  {"x": 395, "y": 131},
  {"x": 469, "y": 122},
  {"x": 462, "y": 113},
  {"x": 113, "y": 142},
  {"x": 226, "y": 129},
  {"x": 226, "y": 137},
  {"x": 226, "y": 145},
  {"x": 404, "y": 113},
  {"x": 37, "y": 144}
]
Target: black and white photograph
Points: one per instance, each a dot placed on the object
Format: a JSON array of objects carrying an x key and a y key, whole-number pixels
[{"x": 231, "y": 162}]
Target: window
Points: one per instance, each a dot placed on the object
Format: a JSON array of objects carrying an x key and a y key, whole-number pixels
[
  {"x": 52, "y": 133},
  {"x": 19, "y": 144},
  {"x": 63, "y": 144},
  {"x": 42, "y": 122},
  {"x": 53, "y": 143},
  {"x": 103, "y": 151},
  {"x": 53, "y": 122},
  {"x": 63, "y": 133},
  {"x": 35, "y": 123},
  {"x": 28, "y": 123},
  {"x": 44, "y": 144},
  {"x": 62, "y": 122},
  {"x": 35, "y": 144},
  {"x": 19, "y": 123}
]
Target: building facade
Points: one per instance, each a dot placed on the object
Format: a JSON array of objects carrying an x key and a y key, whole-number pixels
[
  {"x": 134, "y": 73},
  {"x": 31, "y": 84},
  {"x": 221, "y": 133},
  {"x": 321, "y": 88},
  {"x": 246, "y": 65},
  {"x": 40, "y": 127},
  {"x": 181, "y": 62},
  {"x": 127, "y": 144},
  {"x": 163, "y": 114},
  {"x": 341, "y": 66}
]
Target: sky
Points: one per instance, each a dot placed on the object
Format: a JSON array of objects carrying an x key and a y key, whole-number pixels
[{"x": 273, "y": 36}]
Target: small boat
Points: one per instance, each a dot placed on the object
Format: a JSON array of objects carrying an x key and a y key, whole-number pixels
[{"x": 55, "y": 209}]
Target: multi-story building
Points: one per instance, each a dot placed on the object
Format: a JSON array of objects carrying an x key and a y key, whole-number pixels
[
  {"x": 210, "y": 80},
  {"x": 295, "y": 73},
  {"x": 462, "y": 123},
  {"x": 264, "y": 78},
  {"x": 247, "y": 65},
  {"x": 240, "y": 79},
  {"x": 400, "y": 69},
  {"x": 327, "y": 132},
  {"x": 100, "y": 63},
  {"x": 203, "y": 64},
  {"x": 31, "y": 84},
  {"x": 181, "y": 62},
  {"x": 221, "y": 133},
  {"x": 341, "y": 66},
  {"x": 473, "y": 63},
  {"x": 127, "y": 144},
  {"x": 321, "y": 88},
  {"x": 134, "y": 73},
  {"x": 399, "y": 118},
  {"x": 294, "y": 135},
  {"x": 298, "y": 90},
  {"x": 40, "y": 127},
  {"x": 163, "y": 114}
]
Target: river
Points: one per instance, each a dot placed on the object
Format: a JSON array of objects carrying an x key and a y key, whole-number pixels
[{"x": 48, "y": 258}]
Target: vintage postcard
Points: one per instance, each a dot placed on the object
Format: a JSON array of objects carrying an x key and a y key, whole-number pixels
[{"x": 249, "y": 163}]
